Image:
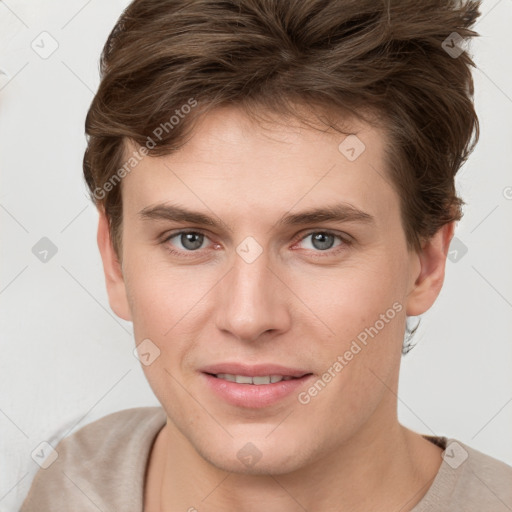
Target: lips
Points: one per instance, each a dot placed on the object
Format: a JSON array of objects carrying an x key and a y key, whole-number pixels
[
  {"x": 258, "y": 370},
  {"x": 259, "y": 380},
  {"x": 254, "y": 386}
]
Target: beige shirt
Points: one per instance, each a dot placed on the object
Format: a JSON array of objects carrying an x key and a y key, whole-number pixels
[{"x": 102, "y": 467}]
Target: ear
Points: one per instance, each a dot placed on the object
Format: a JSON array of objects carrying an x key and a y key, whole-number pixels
[
  {"x": 430, "y": 277},
  {"x": 114, "y": 278}
]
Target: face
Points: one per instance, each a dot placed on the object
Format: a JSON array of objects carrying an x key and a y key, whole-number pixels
[{"x": 254, "y": 287}]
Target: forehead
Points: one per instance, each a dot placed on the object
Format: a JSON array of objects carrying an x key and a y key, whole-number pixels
[{"x": 267, "y": 166}]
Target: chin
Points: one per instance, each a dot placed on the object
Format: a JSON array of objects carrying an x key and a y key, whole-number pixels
[
  {"x": 276, "y": 464},
  {"x": 256, "y": 455}
]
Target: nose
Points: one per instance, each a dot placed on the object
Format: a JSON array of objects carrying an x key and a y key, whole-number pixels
[{"x": 253, "y": 300}]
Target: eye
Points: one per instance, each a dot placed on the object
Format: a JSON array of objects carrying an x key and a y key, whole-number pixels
[
  {"x": 183, "y": 243},
  {"x": 189, "y": 240},
  {"x": 323, "y": 241}
]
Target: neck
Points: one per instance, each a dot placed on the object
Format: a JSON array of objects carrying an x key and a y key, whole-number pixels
[{"x": 384, "y": 466}]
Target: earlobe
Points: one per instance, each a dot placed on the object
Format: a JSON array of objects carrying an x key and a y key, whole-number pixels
[
  {"x": 429, "y": 281},
  {"x": 112, "y": 269}
]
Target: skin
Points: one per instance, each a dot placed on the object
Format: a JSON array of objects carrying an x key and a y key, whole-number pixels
[{"x": 345, "y": 450}]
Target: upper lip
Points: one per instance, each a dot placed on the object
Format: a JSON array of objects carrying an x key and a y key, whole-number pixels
[{"x": 254, "y": 370}]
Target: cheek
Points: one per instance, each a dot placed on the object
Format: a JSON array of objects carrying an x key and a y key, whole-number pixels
[
  {"x": 159, "y": 308},
  {"x": 165, "y": 305},
  {"x": 361, "y": 330},
  {"x": 347, "y": 300},
  {"x": 158, "y": 294}
]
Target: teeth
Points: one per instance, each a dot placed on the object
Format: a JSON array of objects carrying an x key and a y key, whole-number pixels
[
  {"x": 261, "y": 380},
  {"x": 227, "y": 376},
  {"x": 244, "y": 379}
]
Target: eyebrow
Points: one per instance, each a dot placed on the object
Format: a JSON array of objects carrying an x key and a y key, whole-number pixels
[{"x": 341, "y": 212}]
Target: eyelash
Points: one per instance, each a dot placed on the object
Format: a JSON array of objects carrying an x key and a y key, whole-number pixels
[{"x": 345, "y": 241}]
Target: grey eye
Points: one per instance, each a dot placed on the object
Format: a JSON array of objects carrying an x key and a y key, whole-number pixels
[
  {"x": 190, "y": 240},
  {"x": 321, "y": 240}
]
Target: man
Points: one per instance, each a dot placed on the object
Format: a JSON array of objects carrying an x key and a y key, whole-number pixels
[{"x": 275, "y": 186}]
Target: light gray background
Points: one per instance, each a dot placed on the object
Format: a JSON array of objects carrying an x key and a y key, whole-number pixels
[{"x": 66, "y": 360}]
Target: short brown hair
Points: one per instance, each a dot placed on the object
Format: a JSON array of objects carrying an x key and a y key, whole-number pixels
[{"x": 381, "y": 61}]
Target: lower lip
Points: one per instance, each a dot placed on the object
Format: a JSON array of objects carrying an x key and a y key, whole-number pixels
[{"x": 252, "y": 395}]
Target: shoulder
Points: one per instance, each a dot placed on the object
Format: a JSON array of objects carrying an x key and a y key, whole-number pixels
[
  {"x": 469, "y": 480},
  {"x": 96, "y": 439},
  {"x": 101, "y": 466},
  {"x": 484, "y": 480}
]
